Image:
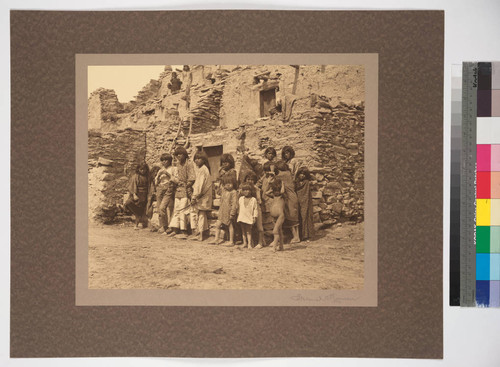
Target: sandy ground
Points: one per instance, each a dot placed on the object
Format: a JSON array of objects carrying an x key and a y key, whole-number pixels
[{"x": 123, "y": 258}]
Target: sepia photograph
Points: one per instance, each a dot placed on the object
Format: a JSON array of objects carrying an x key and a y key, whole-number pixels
[{"x": 226, "y": 177}]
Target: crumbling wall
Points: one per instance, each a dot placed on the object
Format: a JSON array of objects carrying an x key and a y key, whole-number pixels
[
  {"x": 150, "y": 90},
  {"x": 112, "y": 159},
  {"x": 103, "y": 109}
]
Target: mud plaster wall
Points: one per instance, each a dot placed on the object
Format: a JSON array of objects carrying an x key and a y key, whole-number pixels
[{"x": 241, "y": 99}]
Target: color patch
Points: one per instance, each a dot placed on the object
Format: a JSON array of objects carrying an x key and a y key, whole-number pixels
[
  {"x": 483, "y": 209},
  {"x": 495, "y": 157},
  {"x": 482, "y": 292},
  {"x": 484, "y": 103},
  {"x": 495, "y": 185},
  {"x": 495, "y": 103},
  {"x": 483, "y": 157},
  {"x": 482, "y": 266},
  {"x": 494, "y": 293},
  {"x": 494, "y": 239},
  {"x": 495, "y": 75},
  {"x": 488, "y": 130},
  {"x": 495, "y": 212},
  {"x": 483, "y": 235},
  {"x": 483, "y": 185},
  {"x": 484, "y": 76},
  {"x": 494, "y": 266}
]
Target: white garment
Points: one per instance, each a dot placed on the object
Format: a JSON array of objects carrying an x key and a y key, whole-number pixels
[{"x": 247, "y": 212}]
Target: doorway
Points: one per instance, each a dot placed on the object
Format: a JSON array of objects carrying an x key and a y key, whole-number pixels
[
  {"x": 267, "y": 101},
  {"x": 214, "y": 153}
]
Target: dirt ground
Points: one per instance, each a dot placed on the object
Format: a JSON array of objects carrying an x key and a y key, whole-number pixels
[{"x": 123, "y": 258}]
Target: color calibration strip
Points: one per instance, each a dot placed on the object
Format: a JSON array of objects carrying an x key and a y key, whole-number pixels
[
  {"x": 456, "y": 146},
  {"x": 488, "y": 185}
]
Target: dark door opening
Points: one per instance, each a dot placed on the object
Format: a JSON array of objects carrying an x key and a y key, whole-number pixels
[
  {"x": 214, "y": 153},
  {"x": 267, "y": 101}
]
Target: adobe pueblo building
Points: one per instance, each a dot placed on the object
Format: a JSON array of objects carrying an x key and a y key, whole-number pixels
[{"x": 242, "y": 110}]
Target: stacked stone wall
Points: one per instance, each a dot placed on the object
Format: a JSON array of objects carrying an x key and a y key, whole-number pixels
[{"x": 112, "y": 159}]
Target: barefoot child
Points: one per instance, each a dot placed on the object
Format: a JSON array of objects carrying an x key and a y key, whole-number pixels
[
  {"x": 201, "y": 201},
  {"x": 140, "y": 190},
  {"x": 227, "y": 212},
  {"x": 251, "y": 179},
  {"x": 184, "y": 180},
  {"x": 277, "y": 210},
  {"x": 164, "y": 191},
  {"x": 303, "y": 189},
  {"x": 291, "y": 200},
  {"x": 248, "y": 213}
]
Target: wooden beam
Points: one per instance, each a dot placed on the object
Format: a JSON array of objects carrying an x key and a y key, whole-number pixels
[{"x": 297, "y": 68}]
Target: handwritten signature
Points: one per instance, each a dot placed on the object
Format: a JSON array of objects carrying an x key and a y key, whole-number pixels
[{"x": 328, "y": 298}]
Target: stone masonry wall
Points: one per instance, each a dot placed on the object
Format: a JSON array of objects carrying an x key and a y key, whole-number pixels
[{"x": 112, "y": 159}]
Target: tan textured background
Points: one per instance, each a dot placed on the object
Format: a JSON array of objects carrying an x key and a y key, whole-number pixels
[{"x": 408, "y": 320}]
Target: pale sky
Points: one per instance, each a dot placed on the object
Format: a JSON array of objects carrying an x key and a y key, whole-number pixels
[{"x": 126, "y": 80}]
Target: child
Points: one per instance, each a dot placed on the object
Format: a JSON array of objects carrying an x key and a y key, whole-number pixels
[
  {"x": 303, "y": 189},
  {"x": 201, "y": 200},
  {"x": 291, "y": 200},
  {"x": 227, "y": 169},
  {"x": 265, "y": 184},
  {"x": 140, "y": 192},
  {"x": 227, "y": 212},
  {"x": 251, "y": 179},
  {"x": 270, "y": 154},
  {"x": 248, "y": 213},
  {"x": 288, "y": 156},
  {"x": 184, "y": 180},
  {"x": 277, "y": 210},
  {"x": 165, "y": 190}
]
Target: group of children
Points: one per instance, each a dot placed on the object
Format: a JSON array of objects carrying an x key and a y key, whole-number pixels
[{"x": 184, "y": 195}]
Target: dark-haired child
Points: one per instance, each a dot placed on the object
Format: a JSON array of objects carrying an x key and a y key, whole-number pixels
[
  {"x": 291, "y": 200},
  {"x": 277, "y": 211},
  {"x": 228, "y": 210},
  {"x": 265, "y": 184},
  {"x": 165, "y": 190},
  {"x": 303, "y": 189},
  {"x": 288, "y": 156},
  {"x": 227, "y": 170},
  {"x": 248, "y": 213},
  {"x": 201, "y": 201},
  {"x": 270, "y": 154},
  {"x": 140, "y": 190},
  {"x": 251, "y": 179},
  {"x": 184, "y": 179}
]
